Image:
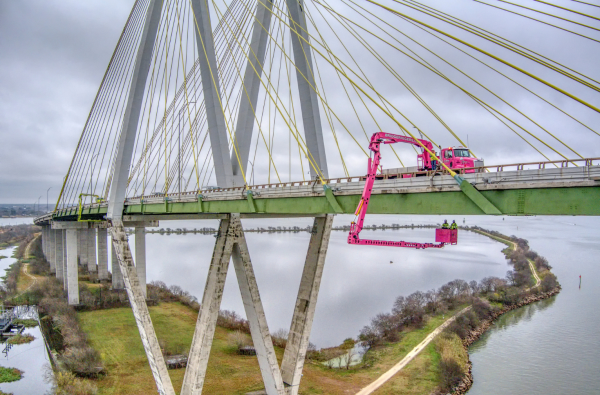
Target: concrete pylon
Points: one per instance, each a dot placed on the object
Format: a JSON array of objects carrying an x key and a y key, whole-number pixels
[
  {"x": 58, "y": 256},
  {"x": 72, "y": 267},
  {"x": 140, "y": 309},
  {"x": 193, "y": 380},
  {"x": 140, "y": 256},
  {"x": 64, "y": 258},
  {"x": 91, "y": 250},
  {"x": 117, "y": 276},
  {"x": 263, "y": 344},
  {"x": 102, "y": 254},
  {"x": 44, "y": 239},
  {"x": 304, "y": 311},
  {"x": 51, "y": 250},
  {"x": 82, "y": 249}
]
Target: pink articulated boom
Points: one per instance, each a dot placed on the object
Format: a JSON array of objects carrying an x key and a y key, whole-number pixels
[{"x": 443, "y": 236}]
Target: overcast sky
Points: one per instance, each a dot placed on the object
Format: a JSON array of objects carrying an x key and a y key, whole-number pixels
[{"x": 53, "y": 55}]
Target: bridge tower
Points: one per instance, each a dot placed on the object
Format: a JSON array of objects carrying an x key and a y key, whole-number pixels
[{"x": 229, "y": 169}]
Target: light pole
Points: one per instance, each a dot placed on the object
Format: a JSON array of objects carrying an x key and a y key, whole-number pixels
[
  {"x": 179, "y": 144},
  {"x": 48, "y": 190},
  {"x": 38, "y": 203}
]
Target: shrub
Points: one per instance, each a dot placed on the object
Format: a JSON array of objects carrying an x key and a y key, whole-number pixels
[
  {"x": 450, "y": 374},
  {"x": 21, "y": 339},
  {"x": 232, "y": 321},
  {"x": 549, "y": 282},
  {"x": 8, "y": 375},
  {"x": 280, "y": 338},
  {"x": 66, "y": 383},
  {"x": 238, "y": 340}
]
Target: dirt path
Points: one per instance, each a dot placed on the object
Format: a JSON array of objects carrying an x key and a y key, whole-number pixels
[
  {"x": 538, "y": 282},
  {"x": 369, "y": 389},
  {"x": 25, "y": 270},
  {"x": 537, "y": 278}
]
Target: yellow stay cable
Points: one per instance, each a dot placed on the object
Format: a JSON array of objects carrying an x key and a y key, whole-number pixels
[
  {"x": 568, "y": 9},
  {"x": 501, "y": 41},
  {"x": 218, "y": 94},
  {"x": 453, "y": 173},
  {"x": 246, "y": 92},
  {"x": 484, "y": 87},
  {"x": 465, "y": 91},
  {"x": 549, "y": 14},
  {"x": 490, "y": 55}
]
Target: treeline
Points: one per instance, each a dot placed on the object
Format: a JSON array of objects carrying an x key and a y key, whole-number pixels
[{"x": 15, "y": 234}]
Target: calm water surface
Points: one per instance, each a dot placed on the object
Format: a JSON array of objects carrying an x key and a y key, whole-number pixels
[
  {"x": 358, "y": 282},
  {"x": 553, "y": 346},
  {"x": 32, "y": 360}
]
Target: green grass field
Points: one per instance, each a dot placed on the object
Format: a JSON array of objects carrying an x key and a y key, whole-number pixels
[{"x": 114, "y": 334}]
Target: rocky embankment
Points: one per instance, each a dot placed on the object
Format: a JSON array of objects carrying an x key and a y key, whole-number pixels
[{"x": 467, "y": 381}]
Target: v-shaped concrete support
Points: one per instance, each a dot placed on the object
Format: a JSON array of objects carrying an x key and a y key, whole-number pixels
[
  {"x": 231, "y": 244},
  {"x": 140, "y": 310}
]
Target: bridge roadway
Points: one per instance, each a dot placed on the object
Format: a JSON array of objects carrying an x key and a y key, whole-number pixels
[{"x": 566, "y": 190}]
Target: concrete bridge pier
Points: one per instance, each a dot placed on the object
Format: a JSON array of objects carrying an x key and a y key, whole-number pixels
[
  {"x": 44, "y": 239},
  {"x": 137, "y": 299},
  {"x": 64, "y": 258},
  {"x": 231, "y": 242},
  {"x": 51, "y": 249},
  {"x": 117, "y": 276},
  {"x": 82, "y": 248},
  {"x": 306, "y": 302},
  {"x": 102, "y": 254},
  {"x": 58, "y": 255},
  {"x": 140, "y": 256},
  {"x": 72, "y": 275},
  {"x": 91, "y": 250}
]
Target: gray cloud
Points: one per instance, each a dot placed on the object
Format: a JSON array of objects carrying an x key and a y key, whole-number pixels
[{"x": 53, "y": 56}]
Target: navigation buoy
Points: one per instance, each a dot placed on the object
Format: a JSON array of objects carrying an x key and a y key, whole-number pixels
[{"x": 580, "y": 281}]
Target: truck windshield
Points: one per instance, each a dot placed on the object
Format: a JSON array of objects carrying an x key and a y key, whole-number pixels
[{"x": 462, "y": 153}]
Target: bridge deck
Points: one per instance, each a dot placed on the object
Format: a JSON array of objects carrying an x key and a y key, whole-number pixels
[{"x": 544, "y": 191}]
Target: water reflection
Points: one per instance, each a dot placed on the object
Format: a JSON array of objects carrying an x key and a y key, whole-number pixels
[{"x": 358, "y": 281}]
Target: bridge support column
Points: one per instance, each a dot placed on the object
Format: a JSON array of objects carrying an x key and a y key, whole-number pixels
[
  {"x": 193, "y": 380},
  {"x": 140, "y": 309},
  {"x": 267, "y": 359},
  {"x": 299, "y": 335},
  {"x": 231, "y": 243},
  {"x": 91, "y": 250},
  {"x": 64, "y": 258},
  {"x": 102, "y": 254},
  {"x": 44, "y": 239},
  {"x": 117, "y": 276},
  {"x": 58, "y": 254},
  {"x": 140, "y": 257},
  {"x": 82, "y": 250},
  {"x": 51, "y": 249},
  {"x": 72, "y": 267}
]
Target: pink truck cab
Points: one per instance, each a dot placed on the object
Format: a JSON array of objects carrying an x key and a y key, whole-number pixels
[{"x": 458, "y": 158}]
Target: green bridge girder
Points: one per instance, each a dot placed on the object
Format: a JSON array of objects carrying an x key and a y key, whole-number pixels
[{"x": 527, "y": 201}]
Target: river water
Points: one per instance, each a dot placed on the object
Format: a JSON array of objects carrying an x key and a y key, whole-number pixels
[
  {"x": 553, "y": 346},
  {"x": 358, "y": 281}
]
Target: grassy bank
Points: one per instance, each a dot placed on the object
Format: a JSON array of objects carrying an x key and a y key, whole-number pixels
[{"x": 113, "y": 333}]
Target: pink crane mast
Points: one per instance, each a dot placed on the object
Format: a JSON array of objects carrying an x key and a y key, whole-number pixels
[{"x": 443, "y": 236}]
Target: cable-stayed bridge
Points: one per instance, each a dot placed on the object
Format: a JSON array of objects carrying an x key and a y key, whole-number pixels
[{"x": 265, "y": 109}]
